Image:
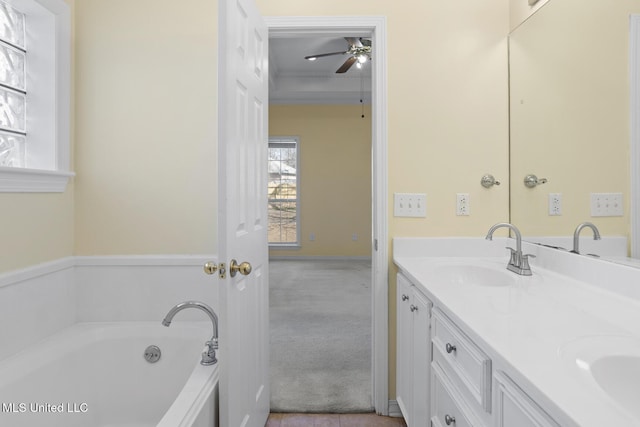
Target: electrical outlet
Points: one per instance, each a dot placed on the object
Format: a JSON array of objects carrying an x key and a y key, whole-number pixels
[
  {"x": 555, "y": 204},
  {"x": 606, "y": 204},
  {"x": 462, "y": 204},
  {"x": 312, "y": 237},
  {"x": 410, "y": 205},
  {"x": 354, "y": 237}
]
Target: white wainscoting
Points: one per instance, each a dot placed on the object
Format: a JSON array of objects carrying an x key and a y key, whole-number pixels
[
  {"x": 126, "y": 288},
  {"x": 41, "y": 300}
]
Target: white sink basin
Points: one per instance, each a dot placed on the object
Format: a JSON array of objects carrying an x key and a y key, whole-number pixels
[
  {"x": 612, "y": 363},
  {"x": 472, "y": 274},
  {"x": 619, "y": 377}
]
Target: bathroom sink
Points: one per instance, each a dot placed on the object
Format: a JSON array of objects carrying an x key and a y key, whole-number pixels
[
  {"x": 475, "y": 275},
  {"x": 612, "y": 363},
  {"x": 619, "y": 377}
]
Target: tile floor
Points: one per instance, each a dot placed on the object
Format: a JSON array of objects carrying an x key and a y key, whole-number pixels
[{"x": 332, "y": 420}]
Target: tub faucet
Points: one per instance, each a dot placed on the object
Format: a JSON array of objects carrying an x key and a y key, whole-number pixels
[
  {"x": 209, "y": 355},
  {"x": 518, "y": 263},
  {"x": 576, "y": 235}
]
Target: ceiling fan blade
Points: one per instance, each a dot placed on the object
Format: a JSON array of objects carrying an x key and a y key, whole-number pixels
[
  {"x": 347, "y": 64},
  {"x": 312, "y": 57}
]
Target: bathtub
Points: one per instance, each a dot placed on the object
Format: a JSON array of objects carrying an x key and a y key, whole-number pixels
[{"x": 95, "y": 375}]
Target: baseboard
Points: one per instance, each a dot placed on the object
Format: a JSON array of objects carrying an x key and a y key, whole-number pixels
[{"x": 394, "y": 409}]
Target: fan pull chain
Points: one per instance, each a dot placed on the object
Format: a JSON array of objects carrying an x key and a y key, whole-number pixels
[{"x": 362, "y": 93}]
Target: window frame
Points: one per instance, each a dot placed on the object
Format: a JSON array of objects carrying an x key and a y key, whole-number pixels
[
  {"x": 48, "y": 149},
  {"x": 297, "y": 244}
]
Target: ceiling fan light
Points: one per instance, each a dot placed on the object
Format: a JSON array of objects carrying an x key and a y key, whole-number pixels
[
  {"x": 311, "y": 58},
  {"x": 362, "y": 59}
]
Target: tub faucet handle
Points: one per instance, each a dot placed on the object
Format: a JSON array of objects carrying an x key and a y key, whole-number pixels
[{"x": 209, "y": 354}]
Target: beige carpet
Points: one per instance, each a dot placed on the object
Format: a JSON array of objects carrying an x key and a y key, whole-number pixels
[{"x": 320, "y": 315}]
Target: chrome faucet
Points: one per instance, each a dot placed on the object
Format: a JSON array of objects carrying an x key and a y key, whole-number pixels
[
  {"x": 518, "y": 263},
  {"x": 576, "y": 235},
  {"x": 209, "y": 355}
]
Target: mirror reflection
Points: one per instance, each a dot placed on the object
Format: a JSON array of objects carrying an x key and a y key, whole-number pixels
[{"x": 570, "y": 124}]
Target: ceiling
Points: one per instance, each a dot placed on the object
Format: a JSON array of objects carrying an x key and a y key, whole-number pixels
[{"x": 295, "y": 80}]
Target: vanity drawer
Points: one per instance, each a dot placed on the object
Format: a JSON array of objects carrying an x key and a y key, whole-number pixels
[
  {"x": 469, "y": 366},
  {"x": 447, "y": 407}
]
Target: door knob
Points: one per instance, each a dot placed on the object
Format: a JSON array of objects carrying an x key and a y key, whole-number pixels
[
  {"x": 531, "y": 181},
  {"x": 243, "y": 268},
  {"x": 210, "y": 267}
]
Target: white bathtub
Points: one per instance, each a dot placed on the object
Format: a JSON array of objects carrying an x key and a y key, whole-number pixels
[{"x": 95, "y": 375}]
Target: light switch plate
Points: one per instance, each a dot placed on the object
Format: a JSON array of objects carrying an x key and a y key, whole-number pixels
[
  {"x": 410, "y": 205},
  {"x": 606, "y": 204}
]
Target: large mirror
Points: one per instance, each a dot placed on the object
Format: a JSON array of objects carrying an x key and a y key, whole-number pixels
[{"x": 570, "y": 116}]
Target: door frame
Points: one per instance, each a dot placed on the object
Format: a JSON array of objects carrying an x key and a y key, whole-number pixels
[
  {"x": 345, "y": 26},
  {"x": 634, "y": 82}
]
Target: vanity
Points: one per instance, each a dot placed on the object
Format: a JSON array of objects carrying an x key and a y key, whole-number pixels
[{"x": 478, "y": 345}]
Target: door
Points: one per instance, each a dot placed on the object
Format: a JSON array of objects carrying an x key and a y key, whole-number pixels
[{"x": 242, "y": 177}]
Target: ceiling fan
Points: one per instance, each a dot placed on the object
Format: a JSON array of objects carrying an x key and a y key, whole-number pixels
[{"x": 359, "y": 49}]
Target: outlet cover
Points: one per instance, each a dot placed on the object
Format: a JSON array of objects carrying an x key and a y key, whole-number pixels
[
  {"x": 463, "y": 205},
  {"x": 410, "y": 205},
  {"x": 606, "y": 204},
  {"x": 555, "y": 204}
]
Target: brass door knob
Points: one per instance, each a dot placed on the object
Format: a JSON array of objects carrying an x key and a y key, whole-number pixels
[
  {"x": 243, "y": 268},
  {"x": 210, "y": 267}
]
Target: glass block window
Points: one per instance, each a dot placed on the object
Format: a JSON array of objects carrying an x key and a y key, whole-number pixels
[
  {"x": 283, "y": 192},
  {"x": 13, "y": 95}
]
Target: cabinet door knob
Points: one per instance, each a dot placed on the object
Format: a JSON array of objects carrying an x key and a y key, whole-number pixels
[
  {"x": 449, "y": 419},
  {"x": 405, "y": 297},
  {"x": 413, "y": 308},
  {"x": 450, "y": 349}
]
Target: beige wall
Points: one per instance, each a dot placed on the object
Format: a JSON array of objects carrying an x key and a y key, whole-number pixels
[
  {"x": 520, "y": 11},
  {"x": 146, "y": 127},
  {"x": 38, "y": 227},
  {"x": 570, "y": 113},
  {"x": 335, "y": 176},
  {"x": 448, "y": 111}
]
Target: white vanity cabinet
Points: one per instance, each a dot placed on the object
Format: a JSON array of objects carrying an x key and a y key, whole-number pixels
[
  {"x": 413, "y": 353},
  {"x": 444, "y": 378},
  {"x": 461, "y": 374},
  {"x": 513, "y": 407}
]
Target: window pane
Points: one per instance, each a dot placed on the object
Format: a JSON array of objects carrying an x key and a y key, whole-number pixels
[
  {"x": 12, "y": 70},
  {"x": 11, "y": 150},
  {"x": 283, "y": 222},
  {"x": 12, "y": 110},
  {"x": 11, "y": 25},
  {"x": 283, "y": 192}
]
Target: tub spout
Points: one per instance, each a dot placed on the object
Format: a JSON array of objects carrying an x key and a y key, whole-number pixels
[{"x": 209, "y": 355}]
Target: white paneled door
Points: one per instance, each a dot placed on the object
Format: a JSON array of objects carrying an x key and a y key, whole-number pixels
[{"x": 244, "y": 295}]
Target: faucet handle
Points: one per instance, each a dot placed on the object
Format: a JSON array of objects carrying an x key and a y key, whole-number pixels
[
  {"x": 209, "y": 354},
  {"x": 525, "y": 261},
  {"x": 514, "y": 256}
]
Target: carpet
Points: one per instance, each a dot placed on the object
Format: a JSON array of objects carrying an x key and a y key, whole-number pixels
[{"x": 320, "y": 322}]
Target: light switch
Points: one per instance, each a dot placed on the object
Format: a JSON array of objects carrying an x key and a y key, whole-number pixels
[{"x": 410, "y": 205}]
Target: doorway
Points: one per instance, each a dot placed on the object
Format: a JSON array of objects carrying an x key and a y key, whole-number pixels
[{"x": 354, "y": 27}]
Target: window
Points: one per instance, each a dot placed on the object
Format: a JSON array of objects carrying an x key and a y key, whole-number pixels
[
  {"x": 12, "y": 86},
  {"x": 35, "y": 51},
  {"x": 284, "y": 194}
]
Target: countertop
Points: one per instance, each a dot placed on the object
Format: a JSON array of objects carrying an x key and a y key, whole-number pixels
[{"x": 534, "y": 326}]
